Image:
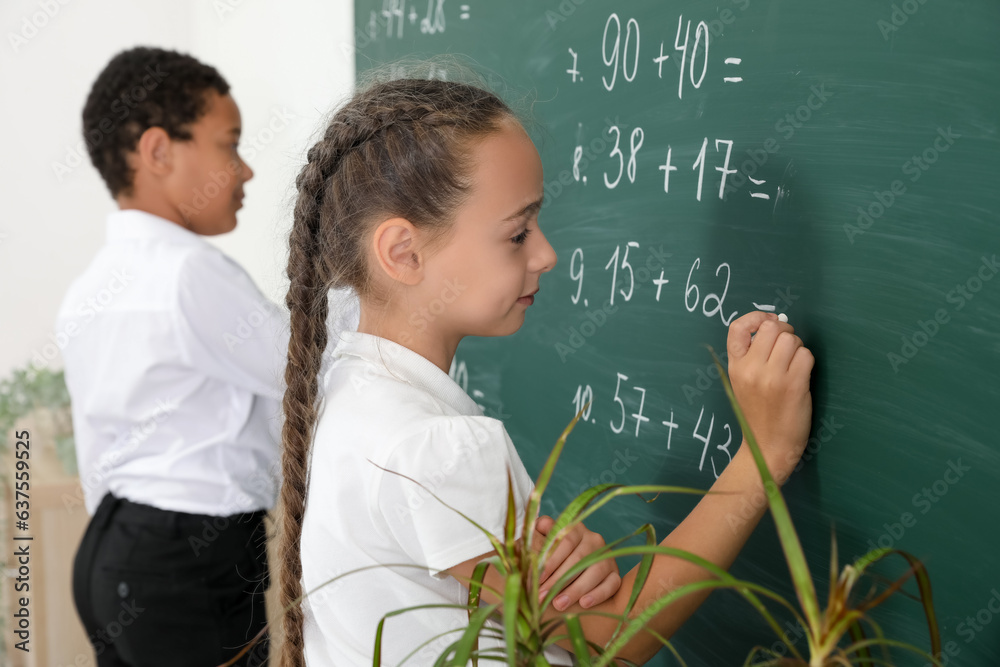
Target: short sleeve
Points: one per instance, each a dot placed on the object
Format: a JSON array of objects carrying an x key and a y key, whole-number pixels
[
  {"x": 463, "y": 461},
  {"x": 228, "y": 328}
]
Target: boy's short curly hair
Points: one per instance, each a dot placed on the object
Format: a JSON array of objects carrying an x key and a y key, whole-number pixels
[{"x": 141, "y": 88}]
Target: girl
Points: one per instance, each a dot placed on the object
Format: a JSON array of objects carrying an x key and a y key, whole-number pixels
[{"x": 423, "y": 197}]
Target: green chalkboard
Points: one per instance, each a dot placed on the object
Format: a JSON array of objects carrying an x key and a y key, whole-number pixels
[{"x": 837, "y": 161}]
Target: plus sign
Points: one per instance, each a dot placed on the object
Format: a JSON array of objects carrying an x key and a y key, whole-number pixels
[
  {"x": 671, "y": 425},
  {"x": 659, "y": 282},
  {"x": 659, "y": 61}
]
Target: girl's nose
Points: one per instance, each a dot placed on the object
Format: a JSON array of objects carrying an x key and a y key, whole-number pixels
[{"x": 544, "y": 255}]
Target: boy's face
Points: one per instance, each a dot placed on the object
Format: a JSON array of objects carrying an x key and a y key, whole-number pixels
[{"x": 206, "y": 181}]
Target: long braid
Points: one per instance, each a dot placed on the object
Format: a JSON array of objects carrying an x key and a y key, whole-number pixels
[
  {"x": 396, "y": 148},
  {"x": 310, "y": 278},
  {"x": 306, "y": 301}
]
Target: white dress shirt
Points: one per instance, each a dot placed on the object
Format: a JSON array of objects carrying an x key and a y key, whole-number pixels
[
  {"x": 387, "y": 406},
  {"x": 174, "y": 362}
]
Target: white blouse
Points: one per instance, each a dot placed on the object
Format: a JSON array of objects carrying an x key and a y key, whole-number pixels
[
  {"x": 174, "y": 362},
  {"x": 387, "y": 406}
]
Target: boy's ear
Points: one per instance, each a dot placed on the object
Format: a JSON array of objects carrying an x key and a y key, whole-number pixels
[
  {"x": 154, "y": 151},
  {"x": 394, "y": 242}
]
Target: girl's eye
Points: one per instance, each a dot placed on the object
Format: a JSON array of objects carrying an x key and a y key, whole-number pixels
[{"x": 520, "y": 238}]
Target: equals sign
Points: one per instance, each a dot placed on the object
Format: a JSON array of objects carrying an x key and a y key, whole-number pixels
[
  {"x": 769, "y": 309},
  {"x": 733, "y": 79},
  {"x": 758, "y": 195},
  {"x": 465, "y": 12}
]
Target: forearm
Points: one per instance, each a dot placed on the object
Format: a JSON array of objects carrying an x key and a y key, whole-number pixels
[{"x": 716, "y": 530}]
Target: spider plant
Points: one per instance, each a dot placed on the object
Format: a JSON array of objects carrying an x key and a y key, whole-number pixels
[{"x": 841, "y": 634}]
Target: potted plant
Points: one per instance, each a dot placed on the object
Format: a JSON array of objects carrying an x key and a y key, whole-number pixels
[{"x": 840, "y": 634}]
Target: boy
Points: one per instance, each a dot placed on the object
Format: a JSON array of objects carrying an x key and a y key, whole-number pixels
[{"x": 174, "y": 365}]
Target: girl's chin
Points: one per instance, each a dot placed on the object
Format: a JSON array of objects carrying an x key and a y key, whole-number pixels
[{"x": 517, "y": 321}]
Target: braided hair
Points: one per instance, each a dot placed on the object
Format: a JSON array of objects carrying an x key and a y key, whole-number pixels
[{"x": 398, "y": 148}]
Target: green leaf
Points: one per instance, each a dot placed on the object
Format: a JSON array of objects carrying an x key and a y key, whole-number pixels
[
  {"x": 510, "y": 615},
  {"x": 578, "y": 640},
  {"x": 725, "y": 580},
  {"x": 927, "y": 599},
  {"x": 618, "y": 491},
  {"x": 923, "y": 580},
  {"x": 475, "y": 592},
  {"x": 510, "y": 525},
  {"x": 568, "y": 517},
  {"x": 470, "y": 637},
  {"x": 897, "y": 644},
  {"x": 794, "y": 555},
  {"x": 834, "y": 567},
  {"x": 669, "y": 646},
  {"x": 431, "y": 640},
  {"x": 476, "y": 584},
  {"x": 638, "y": 624},
  {"x": 645, "y": 565},
  {"x": 742, "y": 587},
  {"x": 873, "y": 556},
  {"x": 858, "y": 635},
  {"x": 544, "y": 477},
  {"x": 377, "y": 654}
]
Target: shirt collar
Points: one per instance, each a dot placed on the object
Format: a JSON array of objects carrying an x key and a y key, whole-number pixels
[
  {"x": 406, "y": 365},
  {"x": 135, "y": 224}
]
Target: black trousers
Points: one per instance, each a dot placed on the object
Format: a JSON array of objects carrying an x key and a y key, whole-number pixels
[{"x": 155, "y": 587}]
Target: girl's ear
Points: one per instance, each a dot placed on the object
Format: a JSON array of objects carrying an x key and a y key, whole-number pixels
[
  {"x": 394, "y": 243},
  {"x": 154, "y": 152}
]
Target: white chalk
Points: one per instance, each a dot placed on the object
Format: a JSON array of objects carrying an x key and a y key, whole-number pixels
[{"x": 782, "y": 317}]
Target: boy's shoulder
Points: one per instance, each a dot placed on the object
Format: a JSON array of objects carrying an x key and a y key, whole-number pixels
[
  {"x": 147, "y": 263},
  {"x": 211, "y": 262}
]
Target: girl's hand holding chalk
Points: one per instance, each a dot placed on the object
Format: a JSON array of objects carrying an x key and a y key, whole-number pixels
[{"x": 769, "y": 368}]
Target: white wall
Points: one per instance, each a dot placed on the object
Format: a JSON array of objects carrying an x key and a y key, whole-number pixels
[{"x": 288, "y": 63}]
